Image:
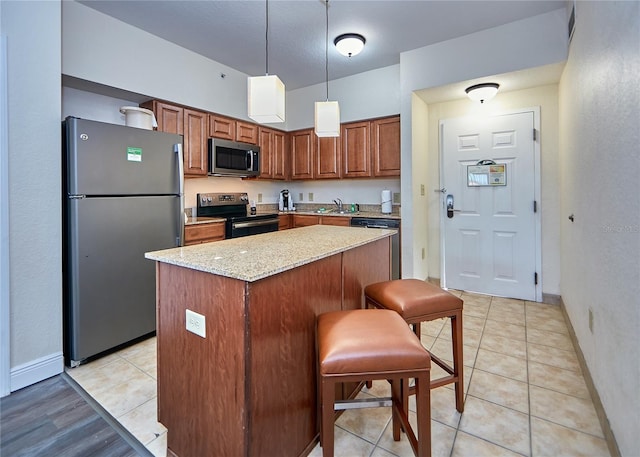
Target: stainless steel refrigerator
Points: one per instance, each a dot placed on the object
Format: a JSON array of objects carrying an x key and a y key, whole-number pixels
[{"x": 122, "y": 197}]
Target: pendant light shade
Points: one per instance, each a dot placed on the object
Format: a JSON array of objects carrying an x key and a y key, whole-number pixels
[
  {"x": 266, "y": 99},
  {"x": 327, "y": 114},
  {"x": 265, "y": 94},
  {"x": 327, "y": 119}
]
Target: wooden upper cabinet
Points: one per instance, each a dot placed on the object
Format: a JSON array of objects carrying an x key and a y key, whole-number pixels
[
  {"x": 222, "y": 127},
  {"x": 356, "y": 152},
  {"x": 273, "y": 163},
  {"x": 302, "y": 145},
  {"x": 327, "y": 158},
  {"x": 192, "y": 125},
  {"x": 169, "y": 117},
  {"x": 246, "y": 132},
  {"x": 265, "y": 141},
  {"x": 385, "y": 146},
  {"x": 195, "y": 142},
  {"x": 279, "y": 156}
]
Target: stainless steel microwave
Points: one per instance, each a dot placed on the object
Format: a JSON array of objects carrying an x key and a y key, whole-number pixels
[{"x": 230, "y": 158}]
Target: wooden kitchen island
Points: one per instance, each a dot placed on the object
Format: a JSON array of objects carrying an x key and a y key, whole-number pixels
[{"x": 249, "y": 387}]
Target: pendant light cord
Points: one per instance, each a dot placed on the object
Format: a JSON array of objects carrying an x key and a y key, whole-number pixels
[
  {"x": 266, "y": 40},
  {"x": 326, "y": 48}
]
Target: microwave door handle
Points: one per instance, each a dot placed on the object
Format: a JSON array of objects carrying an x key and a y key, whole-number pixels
[{"x": 250, "y": 157}]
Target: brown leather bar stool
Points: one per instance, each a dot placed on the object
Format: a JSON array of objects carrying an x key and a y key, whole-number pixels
[
  {"x": 362, "y": 344},
  {"x": 418, "y": 301}
]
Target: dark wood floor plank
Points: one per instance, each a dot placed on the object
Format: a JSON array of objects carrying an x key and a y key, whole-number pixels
[{"x": 51, "y": 418}]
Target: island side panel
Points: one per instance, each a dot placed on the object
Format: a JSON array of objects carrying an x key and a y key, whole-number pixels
[
  {"x": 362, "y": 266},
  {"x": 201, "y": 381},
  {"x": 282, "y": 315}
]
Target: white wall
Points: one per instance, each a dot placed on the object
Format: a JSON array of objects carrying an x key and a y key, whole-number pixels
[
  {"x": 528, "y": 43},
  {"x": 34, "y": 189},
  {"x": 600, "y": 165},
  {"x": 546, "y": 97}
]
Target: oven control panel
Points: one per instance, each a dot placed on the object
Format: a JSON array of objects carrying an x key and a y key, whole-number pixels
[{"x": 219, "y": 199}]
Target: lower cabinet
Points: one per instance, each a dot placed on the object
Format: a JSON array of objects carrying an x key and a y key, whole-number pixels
[
  {"x": 303, "y": 220},
  {"x": 203, "y": 233},
  {"x": 284, "y": 221}
]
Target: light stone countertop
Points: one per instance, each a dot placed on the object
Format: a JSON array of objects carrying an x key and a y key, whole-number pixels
[{"x": 256, "y": 257}]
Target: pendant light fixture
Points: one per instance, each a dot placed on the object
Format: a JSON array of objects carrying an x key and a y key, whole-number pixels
[
  {"x": 349, "y": 44},
  {"x": 266, "y": 93},
  {"x": 327, "y": 114}
]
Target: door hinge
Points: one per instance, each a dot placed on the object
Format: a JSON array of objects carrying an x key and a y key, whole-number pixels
[
  {"x": 535, "y": 278},
  {"x": 535, "y": 135},
  {"x": 535, "y": 206}
]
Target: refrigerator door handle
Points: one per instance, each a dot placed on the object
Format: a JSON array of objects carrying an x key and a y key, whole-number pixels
[{"x": 178, "y": 150}]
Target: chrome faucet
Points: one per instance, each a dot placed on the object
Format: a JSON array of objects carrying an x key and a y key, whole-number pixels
[{"x": 338, "y": 203}]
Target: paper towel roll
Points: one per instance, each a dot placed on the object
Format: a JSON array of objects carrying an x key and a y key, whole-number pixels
[{"x": 385, "y": 197}]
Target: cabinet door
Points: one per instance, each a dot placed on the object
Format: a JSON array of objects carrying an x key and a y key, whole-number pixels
[
  {"x": 279, "y": 162},
  {"x": 385, "y": 145},
  {"x": 222, "y": 127},
  {"x": 169, "y": 117},
  {"x": 343, "y": 221},
  {"x": 195, "y": 143},
  {"x": 327, "y": 158},
  {"x": 300, "y": 220},
  {"x": 246, "y": 132},
  {"x": 356, "y": 153},
  {"x": 284, "y": 221},
  {"x": 302, "y": 154},
  {"x": 203, "y": 233},
  {"x": 265, "y": 141}
]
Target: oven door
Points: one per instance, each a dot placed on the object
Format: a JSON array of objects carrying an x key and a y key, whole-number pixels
[{"x": 245, "y": 226}]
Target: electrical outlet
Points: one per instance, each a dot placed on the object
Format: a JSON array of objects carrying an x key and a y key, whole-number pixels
[
  {"x": 300, "y": 197},
  {"x": 423, "y": 253},
  {"x": 590, "y": 320},
  {"x": 196, "y": 324},
  {"x": 259, "y": 198},
  {"x": 310, "y": 196},
  {"x": 422, "y": 189},
  {"x": 396, "y": 197}
]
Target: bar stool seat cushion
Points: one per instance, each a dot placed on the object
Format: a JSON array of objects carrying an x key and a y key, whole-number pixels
[
  {"x": 367, "y": 341},
  {"x": 412, "y": 298}
]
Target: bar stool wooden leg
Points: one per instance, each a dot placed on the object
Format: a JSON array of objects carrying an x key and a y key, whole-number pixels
[
  {"x": 327, "y": 419},
  {"x": 458, "y": 362}
]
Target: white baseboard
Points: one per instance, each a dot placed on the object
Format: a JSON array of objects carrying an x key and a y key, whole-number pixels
[{"x": 37, "y": 370}]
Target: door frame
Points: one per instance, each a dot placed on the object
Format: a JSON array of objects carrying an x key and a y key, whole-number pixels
[
  {"x": 5, "y": 338},
  {"x": 537, "y": 194}
]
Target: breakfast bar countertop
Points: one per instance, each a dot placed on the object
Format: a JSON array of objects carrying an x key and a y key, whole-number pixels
[{"x": 256, "y": 257}]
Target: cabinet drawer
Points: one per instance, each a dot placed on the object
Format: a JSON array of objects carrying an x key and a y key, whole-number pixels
[
  {"x": 202, "y": 233},
  {"x": 304, "y": 220}
]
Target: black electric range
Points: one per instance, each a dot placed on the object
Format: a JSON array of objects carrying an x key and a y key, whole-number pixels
[{"x": 233, "y": 207}]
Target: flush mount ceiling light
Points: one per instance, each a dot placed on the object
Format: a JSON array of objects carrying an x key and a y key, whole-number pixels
[
  {"x": 327, "y": 114},
  {"x": 482, "y": 92},
  {"x": 349, "y": 44},
  {"x": 266, "y": 93}
]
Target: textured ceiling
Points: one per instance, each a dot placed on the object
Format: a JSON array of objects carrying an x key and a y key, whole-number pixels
[{"x": 232, "y": 32}]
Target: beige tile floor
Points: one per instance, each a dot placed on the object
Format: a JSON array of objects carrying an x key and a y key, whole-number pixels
[{"x": 524, "y": 392}]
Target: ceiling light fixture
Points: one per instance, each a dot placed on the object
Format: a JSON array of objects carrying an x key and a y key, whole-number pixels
[
  {"x": 349, "y": 44},
  {"x": 482, "y": 92},
  {"x": 327, "y": 114},
  {"x": 266, "y": 93}
]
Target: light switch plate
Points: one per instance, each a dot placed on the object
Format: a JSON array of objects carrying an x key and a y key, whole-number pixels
[{"x": 196, "y": 324}]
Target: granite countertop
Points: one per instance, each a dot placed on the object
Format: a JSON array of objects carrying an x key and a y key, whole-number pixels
[
  {"x": 203, "y": 220},
  {"x": 371, "y": 214},
  {"x": 256, "y": 257}
]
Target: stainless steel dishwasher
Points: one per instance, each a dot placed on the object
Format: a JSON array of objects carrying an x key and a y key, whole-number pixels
[{"x": 380, "y": 223}]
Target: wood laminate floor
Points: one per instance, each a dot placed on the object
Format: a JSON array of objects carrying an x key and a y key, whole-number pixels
[{"x": 56, "y": 417}]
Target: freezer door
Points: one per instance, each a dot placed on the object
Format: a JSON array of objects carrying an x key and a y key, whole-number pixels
[
  {"x": 111, "y": 159},
  {"x": 110, "y": 286}
]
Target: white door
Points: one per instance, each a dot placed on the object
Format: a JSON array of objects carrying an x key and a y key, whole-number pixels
[{"x": 490, "y": 242}]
